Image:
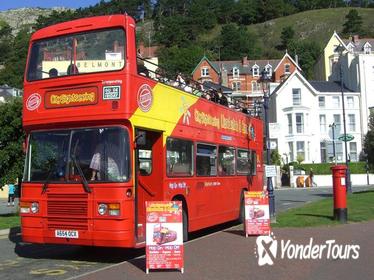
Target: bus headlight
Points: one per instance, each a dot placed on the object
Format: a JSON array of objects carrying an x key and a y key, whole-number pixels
[
  {"x": 102, "y": 208},
  {"x": 29, "y": 207},
  {"x": 34, "y": 207}
]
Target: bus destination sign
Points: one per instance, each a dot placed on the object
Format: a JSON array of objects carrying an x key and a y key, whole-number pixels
[{"x": 71, "y": 97}]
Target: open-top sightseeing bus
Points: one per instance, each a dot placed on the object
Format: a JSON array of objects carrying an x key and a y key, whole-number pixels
[{"x": 103, "y": 139}]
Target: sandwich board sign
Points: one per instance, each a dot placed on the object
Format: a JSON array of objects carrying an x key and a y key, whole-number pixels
[
  {"x": 257, "y": 217},
  {"x": 164, "y": 235}
]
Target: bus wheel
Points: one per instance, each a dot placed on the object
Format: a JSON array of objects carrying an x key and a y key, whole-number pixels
[
  {"x": 185, "y": 225},
  {"x": 242, "y": 209}
]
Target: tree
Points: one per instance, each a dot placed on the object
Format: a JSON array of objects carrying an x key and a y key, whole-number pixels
[
  {"x": 287, "y": 37},
  {"x": 353, "y": 23},
  {"x": 237, "y": 42},
  {"x": 275, "y": 157},
  {"x": 11, "y": 140},
  {"x": 176, "y": 59},
  {"x": 308, "y": 53},
  {"x": 369, "y": 140},
  {"x": 12, "y": 74},
  {"x": 6, "y": 39}
]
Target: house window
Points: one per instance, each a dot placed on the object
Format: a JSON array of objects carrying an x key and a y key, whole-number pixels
[
  {"x": 287, "y": 69},
  {"x": 339, "y": 151},
  {"x": 338, "y": 125},
  {"x": 336, "y": 101},
  {"x": 255, "y": 86},
  {"x": 367, "y": 48},
  {"x": 255, "y": 71},
  {"x": 350, "y": 102},
  {"x": 321, "y": 101},
  {"x": 205, "y": 72},
  {"x": 300, "y": 149},
  {"x": 269, "y": 70},
  {"x": 290, "y": 149},
  {"x": 296, "y": 96},
  {"x": 300, "y": 123},
  {"x": 353, "y": 151},
  {"x": 289, "y": 119},
  {"x": 322, "y": 123},
  {"x": 323, "y": 149},
  {"x": 351, "y": 122},
  {"x": 236, "y": 86},
  {"x": 235, "y": 72}
]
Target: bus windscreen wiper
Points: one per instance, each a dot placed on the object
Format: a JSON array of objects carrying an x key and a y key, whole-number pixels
[
  {"x": 84, "y": 181},
  {"x": 46, "y": 182}
]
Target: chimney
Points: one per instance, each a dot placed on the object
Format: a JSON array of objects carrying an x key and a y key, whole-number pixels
[
  {"x": 355, "y": 39},
  {"x": 297, "y": 59},
  {"x": 245, "y": 61}
]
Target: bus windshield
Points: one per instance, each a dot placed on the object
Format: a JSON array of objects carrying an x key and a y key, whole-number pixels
[
  {"x": 99, "y": 154},
  {"x": 89, "y": 52}
]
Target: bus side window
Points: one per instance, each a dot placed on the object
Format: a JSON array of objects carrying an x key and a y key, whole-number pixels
[
  {"x": 145, "y": 162},
  {"x": 179, "y": 157},
  {"x": 206, "y": 160}
]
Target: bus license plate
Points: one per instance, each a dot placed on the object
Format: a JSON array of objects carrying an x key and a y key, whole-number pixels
[{"x": 66, "y": 233}]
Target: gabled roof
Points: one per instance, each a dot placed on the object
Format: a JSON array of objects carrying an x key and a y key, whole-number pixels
[
  {"x": 298, "y": 75},
  {"x": 324, "y": 86},
  {"x": 204, "y": 58},
  {"x": 290, "y": 58},
  {"x": 339, "y": 39},
  {"x": 245, "y": 69},
  {"x": 358, "y": 46}
]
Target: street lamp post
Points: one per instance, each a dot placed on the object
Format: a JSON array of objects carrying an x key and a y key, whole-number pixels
[
  {"x": 269, "y": 182},
  {"x": 348, "y": 172},
  {"x": 333, "y": 125}
]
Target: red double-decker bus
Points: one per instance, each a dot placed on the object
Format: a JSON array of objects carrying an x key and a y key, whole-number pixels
[{"x": 103, "y": 139}]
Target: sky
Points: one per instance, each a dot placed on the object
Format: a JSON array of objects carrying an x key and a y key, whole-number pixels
[{"x": 14, "y": 4}]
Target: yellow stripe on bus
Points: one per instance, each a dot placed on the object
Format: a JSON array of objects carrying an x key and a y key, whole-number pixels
[{"x": 168, "y": 107}]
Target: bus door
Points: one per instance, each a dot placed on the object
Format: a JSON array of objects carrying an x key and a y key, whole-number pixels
[{"x": 148, "y": 169}]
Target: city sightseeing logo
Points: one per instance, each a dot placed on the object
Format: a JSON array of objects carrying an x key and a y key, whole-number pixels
[{"x": 267, "y": 249}]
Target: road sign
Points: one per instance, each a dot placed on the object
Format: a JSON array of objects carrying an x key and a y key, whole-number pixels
[
  {"x": 270, "y": 171},
  {"x": 346, "y": 137}
]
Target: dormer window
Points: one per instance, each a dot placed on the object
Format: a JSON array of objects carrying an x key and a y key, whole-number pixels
[
  {"x": 255, "y": 70},
  {"x": 350, "y": 47},
  {"x": 367, "y": 48},
  {"x": 269, "y": 70},
  {"x": 287, "y": 68},
  {"x": 235, "y": 72}
]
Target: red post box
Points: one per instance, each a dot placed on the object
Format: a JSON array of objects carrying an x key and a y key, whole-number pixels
[{"x": 340, "y": 192}]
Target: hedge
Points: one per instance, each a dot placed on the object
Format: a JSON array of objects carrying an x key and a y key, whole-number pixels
[{"x": 324, "y": 168}]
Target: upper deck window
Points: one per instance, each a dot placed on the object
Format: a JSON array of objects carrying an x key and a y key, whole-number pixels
[{"x": 89, "y": 52}]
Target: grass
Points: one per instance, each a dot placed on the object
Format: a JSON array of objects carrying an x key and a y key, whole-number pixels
[
  {"x": 9, "y": 221},
  {"x": 360, "y": 208},
  {"x": 314, "y": 25}
]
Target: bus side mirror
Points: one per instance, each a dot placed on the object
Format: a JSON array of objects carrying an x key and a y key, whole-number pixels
[{"x": 140, "y": 138}]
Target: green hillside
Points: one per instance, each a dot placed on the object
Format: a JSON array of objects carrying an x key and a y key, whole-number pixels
[{"x": 316, "y": 25}]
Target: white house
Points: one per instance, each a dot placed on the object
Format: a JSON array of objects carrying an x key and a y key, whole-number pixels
[
  {"x": 303, "y": 116},
  {"x": 355, "y": 57}
]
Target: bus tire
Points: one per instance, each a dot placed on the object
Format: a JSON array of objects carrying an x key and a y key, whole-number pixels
[
  {"x": 185, "y": 225},
  {"x": 241, "y": 218}
]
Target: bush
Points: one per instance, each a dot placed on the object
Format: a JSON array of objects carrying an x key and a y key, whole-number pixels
[{"x": 325, "y": 168}]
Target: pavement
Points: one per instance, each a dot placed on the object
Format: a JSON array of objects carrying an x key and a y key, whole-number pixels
[
  {"x": 5, "y": 209},
  {"x": 229, "y": 255},
  {"x": 223, "y": 254}
]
